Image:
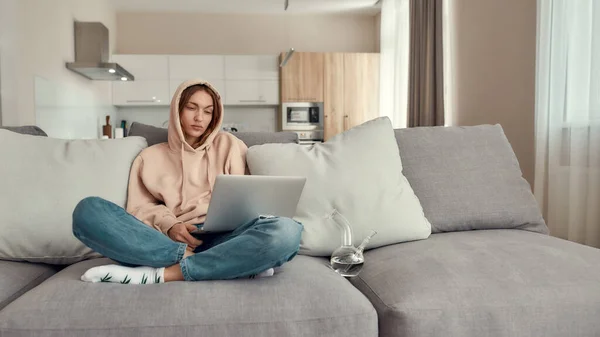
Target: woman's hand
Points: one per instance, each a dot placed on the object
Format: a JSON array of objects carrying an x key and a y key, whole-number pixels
[{"x": 181, "y": 233}]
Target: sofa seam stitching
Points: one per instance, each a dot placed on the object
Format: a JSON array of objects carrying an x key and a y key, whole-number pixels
[
  {"x": 387, "y": 306},
  {"x": 182, "y": 326},
  {"x": 41, "y": 278}
]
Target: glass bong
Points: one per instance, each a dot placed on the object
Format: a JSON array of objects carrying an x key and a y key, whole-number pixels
[{"x": 347, "y": 260}]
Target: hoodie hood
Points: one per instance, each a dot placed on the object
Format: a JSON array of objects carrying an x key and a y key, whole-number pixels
[{"x": 176, "y": 138}]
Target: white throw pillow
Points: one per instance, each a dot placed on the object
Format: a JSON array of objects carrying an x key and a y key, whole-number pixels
[
  {"x": 357, "y": 172},
  {"x": 42, "y": 180}
]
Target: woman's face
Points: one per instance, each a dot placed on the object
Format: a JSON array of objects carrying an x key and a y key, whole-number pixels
[{"x": 196, "y": 115}]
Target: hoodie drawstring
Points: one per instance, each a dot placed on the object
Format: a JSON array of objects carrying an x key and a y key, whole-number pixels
[
  {"x": 183, "y": 177},
  {"x": 211, "y": 178}
]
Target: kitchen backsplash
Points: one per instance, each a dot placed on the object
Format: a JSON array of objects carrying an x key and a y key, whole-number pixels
[
  {"x": 68, "y": 111},
  {"x": 262, "y": 119}
]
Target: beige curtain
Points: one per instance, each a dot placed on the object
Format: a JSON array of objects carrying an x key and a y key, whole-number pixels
[{"x": 426, "y": 73}]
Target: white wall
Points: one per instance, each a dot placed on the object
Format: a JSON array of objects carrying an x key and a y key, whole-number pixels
[
  {"x": 8, "y": 60},
  {"x": 60, "y": 101},
  {"x": 189, "y": 33}
]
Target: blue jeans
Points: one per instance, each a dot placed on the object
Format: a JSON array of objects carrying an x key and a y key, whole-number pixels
[{"x": 256, "y": 246}]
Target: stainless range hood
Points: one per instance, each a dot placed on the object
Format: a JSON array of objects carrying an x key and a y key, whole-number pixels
[{"x": 92, "y": 54}]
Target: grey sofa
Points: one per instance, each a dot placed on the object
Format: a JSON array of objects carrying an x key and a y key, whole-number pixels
[{"x": 488, "y": 269}]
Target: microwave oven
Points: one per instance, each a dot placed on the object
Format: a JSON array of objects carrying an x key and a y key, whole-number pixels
[{"x": 302, "y": 116}]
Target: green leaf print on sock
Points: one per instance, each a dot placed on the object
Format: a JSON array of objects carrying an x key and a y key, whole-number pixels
[
  {"x": 126, "y": 281},
  {"x": 106, "y": 278},
  {"x": 144, "y": 279},
  {"x": 156, "y": 279}
]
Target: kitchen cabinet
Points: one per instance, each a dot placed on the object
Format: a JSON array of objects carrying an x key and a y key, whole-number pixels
[
  {"x": 333, "y": 103},
  {"x": 218, "y": 84},
  {"x": 185, "y": 67},
  {"x": 302, "y": 77},
  {"x": 251, "y": 67},
  {"x": 144, "y": 67},
  {"x": 351, "y": 87},
  {"x": 361, "y": 88},
  {"x": 210, "y": 68},
  {"x": 151, "y": 84},
  {"x": 141, "y": 93},
  {"x": 252, "y": 92},
  {"x": 252, "y": 79}
]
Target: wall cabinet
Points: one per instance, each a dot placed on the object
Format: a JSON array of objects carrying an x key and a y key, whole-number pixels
[
  {"x": 346, "y": 83},
  {"x": 302, "y": 77},
  {"x": 205, "y": 67},
  {"x": 141, "y": 93},
  {"x": 210, "y": 68},
  {"x": 249, "y": 79},
  {"x": 251, "y": 67},
  {"x": 333, "y": 103},
  {"x": 351, "y": 90},
  {"x": 151, "y": 84},
  {"x": 145, "y": 67},
  {"x": 218, "y": 84},
  {"x": 252, "y": 80},
  {"x": 252, "y": 92}
]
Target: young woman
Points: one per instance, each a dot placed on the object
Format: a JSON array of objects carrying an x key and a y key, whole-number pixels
[{"x": 170, "y": 187}]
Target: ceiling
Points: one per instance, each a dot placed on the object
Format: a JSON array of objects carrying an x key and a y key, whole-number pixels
[{"x": 249, "y": 6}]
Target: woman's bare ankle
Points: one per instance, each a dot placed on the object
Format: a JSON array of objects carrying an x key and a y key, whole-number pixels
[{"x": 173, "y": 273}]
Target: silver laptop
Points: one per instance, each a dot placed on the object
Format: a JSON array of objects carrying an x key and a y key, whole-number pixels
[{"x": 237, "y": 199}]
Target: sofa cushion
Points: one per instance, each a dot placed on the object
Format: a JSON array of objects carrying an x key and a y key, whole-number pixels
[
  {"x": 303, "y": 298},
  {"x": 359, "y": 174},
  {"x": 16, "y": 278},
  {"x": 258, "y": 138},
  {"x": 468, "y": 178},
  {"x": 155, "y": 135},
  {"x": 42, "y": 180},
  {"x": 484, "y": 283},
  {"x": 26, "y": 130}
]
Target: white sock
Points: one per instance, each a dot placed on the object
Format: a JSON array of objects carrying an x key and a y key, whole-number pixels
[
  {"x": 127, "y": 275},
  {"x": 266, "y": 273}
]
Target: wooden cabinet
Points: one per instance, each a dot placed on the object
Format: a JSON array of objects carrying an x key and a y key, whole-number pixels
[
  {"x": 302, "y": 78},
  {"x": 333, "y": 103},
  {"x": 361, "y": 88},
  {"x": 351, "y": 90}
]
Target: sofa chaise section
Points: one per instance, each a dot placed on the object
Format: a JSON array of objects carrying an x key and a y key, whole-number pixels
[{"x": 484, "y": 283}]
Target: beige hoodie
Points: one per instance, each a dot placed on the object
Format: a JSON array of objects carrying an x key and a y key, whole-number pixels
[{"x": 172, "y": 182}]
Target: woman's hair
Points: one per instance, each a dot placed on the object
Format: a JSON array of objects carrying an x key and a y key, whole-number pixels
[{"x": 216, "y": 115}]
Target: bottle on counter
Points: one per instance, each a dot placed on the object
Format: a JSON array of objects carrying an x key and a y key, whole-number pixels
[{"x": 107, "y": 129}]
